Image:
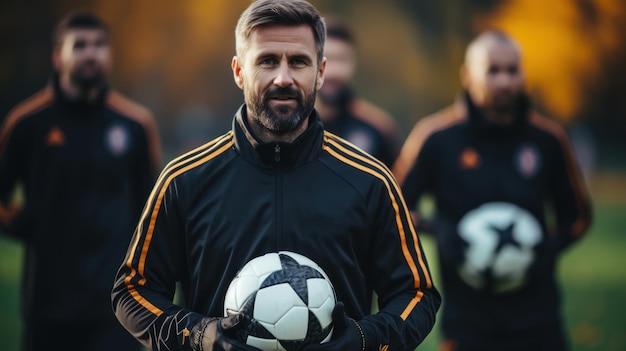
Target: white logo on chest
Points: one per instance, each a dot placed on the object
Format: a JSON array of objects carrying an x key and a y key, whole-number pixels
[{"x": 117, "y": 139}]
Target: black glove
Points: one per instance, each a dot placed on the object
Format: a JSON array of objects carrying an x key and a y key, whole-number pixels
[
  {"x": 210, "y": 334},
  {"x": 347, "y": 334}
]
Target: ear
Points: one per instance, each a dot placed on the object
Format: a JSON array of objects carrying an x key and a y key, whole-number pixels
[
  {"x": 320, "y": 74},
  {"x": 237, "y": 72}
]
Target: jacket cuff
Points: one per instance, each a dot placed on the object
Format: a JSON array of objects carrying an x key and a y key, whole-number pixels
[
  {"x": 368, "y": 335},
  {"x": 197, "y": 333}
]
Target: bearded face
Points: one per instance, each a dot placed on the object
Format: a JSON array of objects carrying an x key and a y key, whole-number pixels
[
  {"x": 87, "y": 74},
  {"x": 280, "y": 109},
  {"x": 83, "y": 57},
  {"x": 496, "y": 81},
  {"x": 280, "y": 74}
]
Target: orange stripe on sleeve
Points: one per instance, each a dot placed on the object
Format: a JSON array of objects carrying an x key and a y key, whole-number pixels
[
  {"x": 8, "y": 213},
  {"x": 186, "y": 157},
  {"x": 580, "y": 192},
  {"x": 375, "y": 116},
  {"x": 176, "y": 167},
  {"x": 384, "y": 174},
  {"x": 418, "y": 135},
  {"x": 29, "y": 106}
]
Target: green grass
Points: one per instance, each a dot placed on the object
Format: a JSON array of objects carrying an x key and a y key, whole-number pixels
[
  {"x": 592, "y": 275},
  {"x": 10, "y": 274}
]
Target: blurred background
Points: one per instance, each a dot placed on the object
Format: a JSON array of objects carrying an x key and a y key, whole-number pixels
[{"x": 174, "y": 57}]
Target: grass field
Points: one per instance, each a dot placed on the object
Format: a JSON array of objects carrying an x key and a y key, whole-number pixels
[{"x": 592, "y": 275}]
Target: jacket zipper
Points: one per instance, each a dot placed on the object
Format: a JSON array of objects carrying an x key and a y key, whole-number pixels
[
  {"x": 277, "y": 154},
  {"x": 279, "y": 202}
]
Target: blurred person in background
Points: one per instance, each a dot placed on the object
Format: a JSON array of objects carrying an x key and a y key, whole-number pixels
[
  {"x": 343, "y": 113},
  {"x": 85, "y": 158},
  {"x": 493, "y": 166}
]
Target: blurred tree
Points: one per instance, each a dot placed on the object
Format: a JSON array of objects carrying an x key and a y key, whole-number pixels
[
  {"x": 170, "y": 56},
  {"x": 25, "y": 56}
]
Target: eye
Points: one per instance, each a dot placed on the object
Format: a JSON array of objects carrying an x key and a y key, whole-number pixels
[
  {"x": 268, "y": 61},
  {"x": 493, "y": 70},
  {"x": 513, "y": 70},
  {"x": 299, "y": 62},
  {"x": 101, "y": 43},
  {"x": 78, "y": 45}
]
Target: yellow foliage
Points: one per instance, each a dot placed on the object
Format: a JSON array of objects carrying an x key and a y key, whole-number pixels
[{"x": 563, "y": 46}]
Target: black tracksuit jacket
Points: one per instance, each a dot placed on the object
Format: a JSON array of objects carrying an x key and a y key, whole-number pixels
[
  {"x": 355, "y": 130},
  {"x": 233, "y": 199},
  {"x": 86, "y": 170},
  {"x": 492, "y": 180}
]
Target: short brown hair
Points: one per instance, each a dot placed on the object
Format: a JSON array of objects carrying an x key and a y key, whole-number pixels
[
  {"x": 286, "y": 12},
  {"x": 79, "y": 19},
  {"x": 338, "y": 29}
]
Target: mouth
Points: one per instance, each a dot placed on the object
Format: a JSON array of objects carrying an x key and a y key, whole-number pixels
[
  {"x": 90, "y": 68},
  {"x": 282, "y": 102},
  {"x": 282, "y": 94},
  {"x": 283, "y": 97}
]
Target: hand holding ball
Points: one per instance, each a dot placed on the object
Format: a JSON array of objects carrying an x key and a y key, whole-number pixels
[{"x": 288, "y": 300}]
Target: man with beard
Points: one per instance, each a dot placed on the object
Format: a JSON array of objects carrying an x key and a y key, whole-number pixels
[
  {"x": 342, "y": 112},
  {"x": 276, "y": 182},
  {"x": 509, "y": 200},
  {"x": 86, "y": 158}
]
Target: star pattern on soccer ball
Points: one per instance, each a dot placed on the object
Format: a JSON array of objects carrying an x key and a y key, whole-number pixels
[
  {"x": 505, "y": 236},
  {"x": 294, "y": 274}
]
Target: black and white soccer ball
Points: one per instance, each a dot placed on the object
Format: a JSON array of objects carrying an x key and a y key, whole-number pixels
[
  {"x": 501, "y": 239},
  {"x": 287, "y": 298}
]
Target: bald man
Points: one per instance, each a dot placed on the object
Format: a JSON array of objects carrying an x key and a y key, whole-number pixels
[{"x": 493, "y": 166}]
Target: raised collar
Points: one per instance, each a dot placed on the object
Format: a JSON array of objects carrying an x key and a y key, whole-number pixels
[
  {"x": 278, "y": 155},
  {"x": 485, "y": 129},
  {"x": 75, "y": 104}
]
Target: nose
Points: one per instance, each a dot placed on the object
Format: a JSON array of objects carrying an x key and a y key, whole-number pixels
[
  {"x": 283, "y": 76},
  {"x": 90, "y": 51},
  {"x": 503, "y": 81},
  {"x": 507, "y": 76}
]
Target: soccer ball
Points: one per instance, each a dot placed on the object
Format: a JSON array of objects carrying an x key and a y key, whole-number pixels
[
  {"x": 288, "y": 299},
  {"x": 501, "y": 238}
]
